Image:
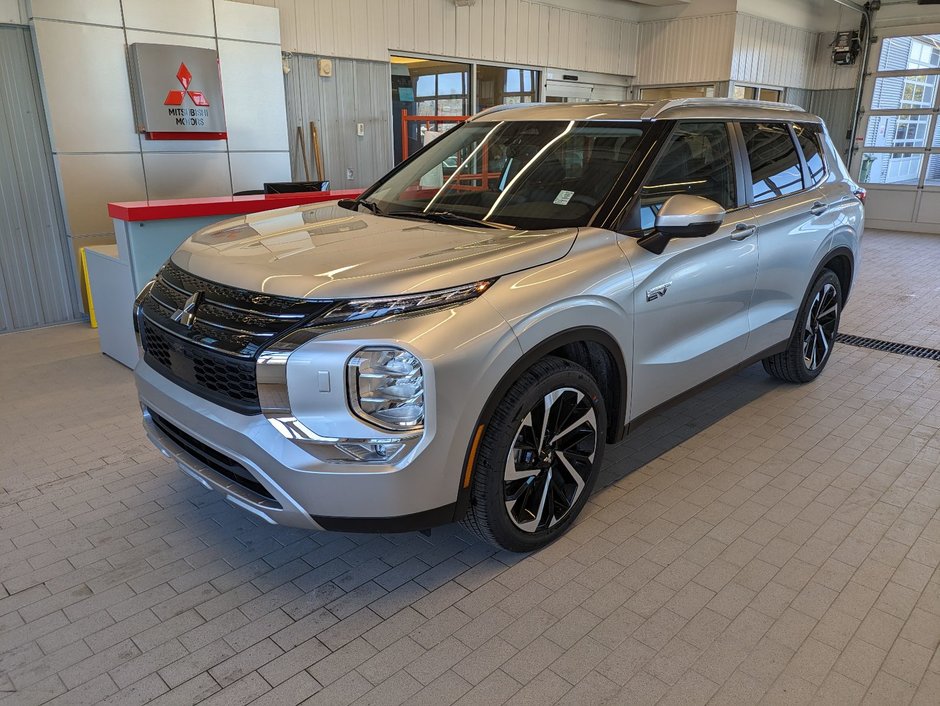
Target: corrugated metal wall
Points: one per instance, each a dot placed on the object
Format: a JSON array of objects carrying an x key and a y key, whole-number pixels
[
  {"x": 511, "y": 31},
  {"x": 685, "y": 50},
  {"x": 837, "y": 108},
  {"x": 357, "y": 92},
  {"x": 35, "y": 270},
  {"x": 771, "y": 53}
]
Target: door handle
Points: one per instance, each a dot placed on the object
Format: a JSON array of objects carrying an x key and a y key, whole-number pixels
[
  {"x": 818, "y": 208},
  {"x": 742, "y": 231}
]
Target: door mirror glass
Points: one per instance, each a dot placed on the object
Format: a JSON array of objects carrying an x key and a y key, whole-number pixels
[{"x": 686, "y": 216}]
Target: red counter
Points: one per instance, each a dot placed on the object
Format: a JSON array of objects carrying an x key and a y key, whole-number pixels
[{"x": 219, "y": 205}]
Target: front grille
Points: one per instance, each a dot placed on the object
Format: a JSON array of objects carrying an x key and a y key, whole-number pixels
[
  {"x": 215, "y": 460},
  {"x": 215, "y": 356}
]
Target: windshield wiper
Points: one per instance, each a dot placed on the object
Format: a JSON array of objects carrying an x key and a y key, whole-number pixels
[
  {"x": 354, "y": 204},
  {"x": 449, "y": 218}
]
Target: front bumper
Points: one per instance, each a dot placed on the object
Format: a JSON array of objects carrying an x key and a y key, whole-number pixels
[{"x": 290, "y": 484}]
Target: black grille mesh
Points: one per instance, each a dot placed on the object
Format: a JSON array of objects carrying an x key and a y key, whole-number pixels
[
  {"x": 220, "y": 463},
  {"x": 215, "y": 356},
  {"x": 889, "y": 346}
]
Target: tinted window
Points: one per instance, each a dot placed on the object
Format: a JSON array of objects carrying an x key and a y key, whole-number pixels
[
  {"x": 808, "y": 138},
  {"x": 775, "y": 165},
  {"x": 698, "y": 161}
]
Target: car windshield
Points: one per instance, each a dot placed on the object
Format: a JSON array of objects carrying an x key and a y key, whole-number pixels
[{"x": 519, "y": 174}]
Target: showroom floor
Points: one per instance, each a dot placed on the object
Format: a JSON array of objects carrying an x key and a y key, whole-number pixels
[{"x": 759, "y": 541}]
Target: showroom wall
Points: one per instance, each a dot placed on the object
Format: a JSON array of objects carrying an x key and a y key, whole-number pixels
[
  {"x": 511, "y": 31},
  {"x": 81, "y": 51},
  {"x": 358, "y": 91}
]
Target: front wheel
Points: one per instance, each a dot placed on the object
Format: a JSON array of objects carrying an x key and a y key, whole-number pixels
[
  {"x": 811, "y": 343},
  {"x": 538, "y": 458}
]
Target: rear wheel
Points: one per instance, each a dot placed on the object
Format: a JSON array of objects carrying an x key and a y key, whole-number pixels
[
  {"x": 817, "y": 325},
  {"x": 538, "y": 458}
]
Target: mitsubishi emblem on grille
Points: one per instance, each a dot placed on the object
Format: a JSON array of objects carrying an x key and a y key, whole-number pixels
[{"x": 187, "y": 314}]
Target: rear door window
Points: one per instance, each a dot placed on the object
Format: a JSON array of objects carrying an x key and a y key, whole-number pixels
[{"x": 775, "y": 163}]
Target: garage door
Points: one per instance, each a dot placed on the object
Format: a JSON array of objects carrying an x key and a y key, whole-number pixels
[
  {"x": 35, "y": 283},
  {"x": 899, "y": 162}
]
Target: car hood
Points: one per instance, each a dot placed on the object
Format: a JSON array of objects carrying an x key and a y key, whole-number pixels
[{"x": 328, "y": 252}]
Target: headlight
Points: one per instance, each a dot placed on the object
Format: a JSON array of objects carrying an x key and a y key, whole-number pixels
[
  {"x": 358, "y": 309},
  {"x": 386, "y": 388}
]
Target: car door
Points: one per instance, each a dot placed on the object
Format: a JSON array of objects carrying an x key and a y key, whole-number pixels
[
  {"x": 691, "y": 302},
  {"x": 791, "y": 201}
]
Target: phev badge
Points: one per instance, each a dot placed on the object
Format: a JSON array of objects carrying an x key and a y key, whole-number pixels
[{"x": 657, "y": 292}]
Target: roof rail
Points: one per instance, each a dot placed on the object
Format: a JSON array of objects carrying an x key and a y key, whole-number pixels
[{"x": 662, "y": 106}]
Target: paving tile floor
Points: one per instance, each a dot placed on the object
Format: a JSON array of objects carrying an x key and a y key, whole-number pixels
[{"x": 761, "y": 542}]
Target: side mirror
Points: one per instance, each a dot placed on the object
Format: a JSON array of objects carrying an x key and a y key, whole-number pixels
[{"x": 683, "y": 216}]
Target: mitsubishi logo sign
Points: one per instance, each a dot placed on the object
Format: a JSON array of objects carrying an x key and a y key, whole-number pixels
[
  {"x": 176, "y": 97},
  {"x": 177, "y": 92}
]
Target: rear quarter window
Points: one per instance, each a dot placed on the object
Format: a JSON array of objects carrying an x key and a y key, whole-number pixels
[{"x": 808, "y": 137}]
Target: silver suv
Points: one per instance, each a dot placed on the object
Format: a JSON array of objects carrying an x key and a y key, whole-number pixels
[{"x": 460, "y": 342}]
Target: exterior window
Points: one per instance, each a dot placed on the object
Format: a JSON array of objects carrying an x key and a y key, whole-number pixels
[
  {"x": 902, "y": 53},
  {"x": 808, "y": 138},
  {"x": 775, "y": 165},
  {"x": 697, "y": 161},
  {"x": 757, "y": 93},
  {"x": 497, "y": 85},
  {"x": 890, "y": 167},
  {"x": 897, "y": 130},
  {"x": 669, "y": 92},
  {"x": 431, "y": 96}
]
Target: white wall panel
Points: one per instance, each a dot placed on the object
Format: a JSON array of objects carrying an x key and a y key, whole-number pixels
[
  {"x": 179, "y": 16},
  {"x": 99, "y": 12},
  {"x": 12, "y": 12},
  {"x": 287, "y": 17},
  {"x": 236, "y": 20},
  {"x": 511, "y": 31},
  {"x": 91, "y": 181},
  {"x": 178, "y": 175},
  {"x": 134, "y": 36},
  {"x": 254, "y": 95},
  {"x": 771, "y": 53},
  {"x": 88, "y": 112},
  {"x": 685, "y": 50},
  {"x": 250, "y": 170}
]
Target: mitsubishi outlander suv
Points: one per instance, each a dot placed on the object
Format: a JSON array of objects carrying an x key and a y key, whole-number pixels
[{"x": 461, "y": 341}]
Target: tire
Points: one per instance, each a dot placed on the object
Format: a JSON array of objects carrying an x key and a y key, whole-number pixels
[
  {"x": 814, "y": 334},
  {"x": 528, "y": 484}
]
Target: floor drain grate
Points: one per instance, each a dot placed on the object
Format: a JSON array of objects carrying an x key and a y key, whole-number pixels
[{"x": 889, "y": 346}]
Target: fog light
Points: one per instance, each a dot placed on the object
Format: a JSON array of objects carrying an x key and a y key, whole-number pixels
[
  {"x": 386, "y": 387},
  {"x": 371, "y": 453}
]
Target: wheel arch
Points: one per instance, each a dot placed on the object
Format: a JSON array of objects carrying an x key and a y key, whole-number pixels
[
  {"x": 841, "y": 261},
  {"x": 591, "y": 347}
]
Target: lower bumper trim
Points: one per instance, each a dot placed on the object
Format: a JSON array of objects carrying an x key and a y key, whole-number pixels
[{"x": 423, "y": 520}]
